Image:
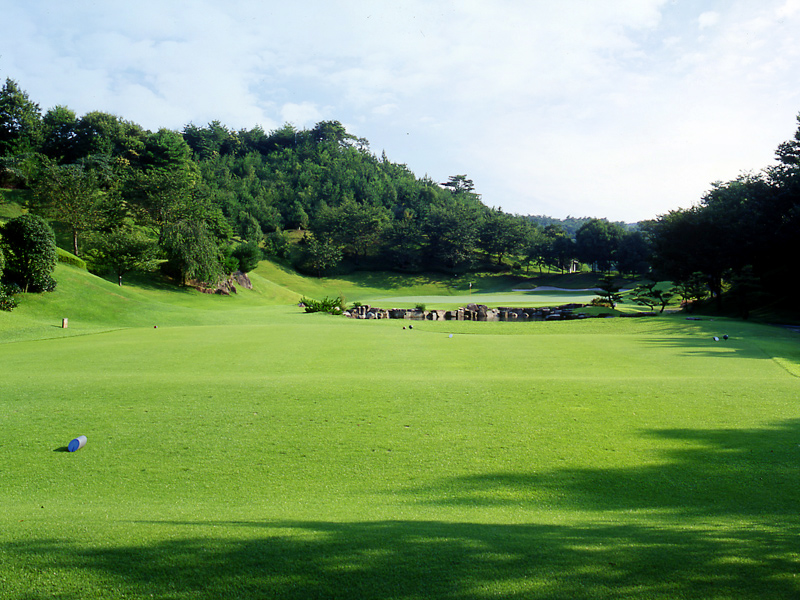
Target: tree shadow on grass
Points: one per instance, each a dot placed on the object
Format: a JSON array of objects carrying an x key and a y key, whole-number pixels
[
  {"x": 428, "y": 559},
  {"x": 745, "y": 340},
  {"x": 725, "y": 508},
  {"x": 748, "y": 473},
  {"x": 153, "y": 281}
]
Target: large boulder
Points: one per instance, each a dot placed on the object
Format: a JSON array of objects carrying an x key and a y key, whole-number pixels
[{"x": 243, "y": 280}]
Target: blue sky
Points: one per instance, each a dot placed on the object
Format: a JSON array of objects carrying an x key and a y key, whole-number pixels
[{"x": 623, "y": 109}]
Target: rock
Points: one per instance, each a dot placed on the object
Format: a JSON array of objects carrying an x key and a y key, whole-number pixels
[{"x": 243, "y": 280}]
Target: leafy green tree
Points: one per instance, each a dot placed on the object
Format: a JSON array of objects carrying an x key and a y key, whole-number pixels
[
  {"x": 20, "y": 120},
  {"x": 98, "y": 132},
  {"x": 451, "y": 233},
  {"x": 332, "y": 132},
  {"x": 633, "y": 253},
  {"x": 563, "y": 252},
  {"x": 166, "y": 149},
  {"x": 296, "y": 217},
  {"x": 161, "y": 196},
  {"x": 59, "y": 134},
  {"x": 71, "y": 195},
  {"x": 191, "y": 250},
  {"x": 352, "y": 226},
  {"x": 122, "y": 251},
  {"x": 536, "y": 246},
  {"x": 596, "y": 243},
  {"x": 500, "y": 234},
  {"x": 320, "y": 255},
  {"x": 29, "y": 246},
  {"x": 402, "y": 241},
  {"x": 214, "y": 139}
]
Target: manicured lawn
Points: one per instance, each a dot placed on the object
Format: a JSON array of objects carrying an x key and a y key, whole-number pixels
[{"x": 246, "y": 449}]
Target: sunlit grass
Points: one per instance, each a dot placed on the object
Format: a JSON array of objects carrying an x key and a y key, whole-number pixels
[{"x": 246, "y": 449}]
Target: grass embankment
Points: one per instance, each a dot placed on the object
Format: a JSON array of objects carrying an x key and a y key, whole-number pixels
[
  {"x": 11, "y": 203},
  {"x": 246, "y": 449}
]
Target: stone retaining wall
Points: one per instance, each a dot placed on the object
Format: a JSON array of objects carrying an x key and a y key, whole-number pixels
[{"x": 471, "y": 312}]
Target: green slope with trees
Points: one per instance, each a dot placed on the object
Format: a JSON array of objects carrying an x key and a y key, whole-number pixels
[
  {"x": 208, "y": 197},
  {"x": 200, "y": 203}
]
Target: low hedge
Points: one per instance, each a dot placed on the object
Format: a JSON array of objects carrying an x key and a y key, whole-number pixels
[{"x": 70, "y": 259}]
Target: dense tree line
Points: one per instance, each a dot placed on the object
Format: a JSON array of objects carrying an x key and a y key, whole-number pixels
[
  {"x": 207, "y": 200},
  {"x": 741, "y": 241}
]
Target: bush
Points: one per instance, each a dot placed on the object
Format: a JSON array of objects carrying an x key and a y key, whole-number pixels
[
  {"x": 70, "y": 259},
  {"x": 334, "y": 306},
  {"x": 7, "y": 300},
  {"x": 248, "y": 255},
  {"x": 599, "y": 301},
  {"x": 420, "y": 306},
  {"x": 229, "y": 262},
  {"x": 41, "y": 283},
  {"x": 276, "y": 244},
  {"x": 29, "y": 246}
]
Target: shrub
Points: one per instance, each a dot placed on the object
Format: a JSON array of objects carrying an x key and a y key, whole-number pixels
[
  {"x": 600, "y": 301},
  {"x": 70, "y": 259},
  {"x": 276, "y": 244},
  {"x": 420, "y": 306},
  {"x": 29, "y": 246},
  {"x": 41, "y": 283},
  {"x": 334, "y": 306},
  {"x": 228, "y": 261},
  {"x": 7, "y": 300},
  {"x": 248, "y": 255}
]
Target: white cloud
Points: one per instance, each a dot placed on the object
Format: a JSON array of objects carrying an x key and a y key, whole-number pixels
[
  {"x": 612, "y": 109},
  {"x": 708, "y": 19},
  {"x": 305, "y": 114}
]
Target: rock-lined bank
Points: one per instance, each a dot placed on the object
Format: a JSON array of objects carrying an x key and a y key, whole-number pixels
[{"x": 472, "y": 312}]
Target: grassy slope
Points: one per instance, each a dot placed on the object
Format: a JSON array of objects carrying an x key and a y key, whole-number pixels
[
  {"x": 11, "y": 202},
  {"x": 245, "y": 449}
]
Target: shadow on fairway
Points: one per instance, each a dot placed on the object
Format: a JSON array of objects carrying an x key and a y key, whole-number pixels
[
  {"x": 424, "y": 559},
  {"x": 709, "y": 473},
  {"x": 726, "y": 504},
  {"x": 746, "y": 340}
]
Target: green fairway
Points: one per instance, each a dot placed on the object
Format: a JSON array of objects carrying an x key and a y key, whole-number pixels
[
  {"x": 496, "y": 299},
  {"x": 245, "y": 449}
]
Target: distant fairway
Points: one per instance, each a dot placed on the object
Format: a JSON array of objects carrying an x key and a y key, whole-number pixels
[
  {"x": 244, "y": 449},
  {"x": 492, "y": 300}
]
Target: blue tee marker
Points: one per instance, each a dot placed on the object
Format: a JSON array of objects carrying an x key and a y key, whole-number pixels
[{"x": 76, "y": 444}]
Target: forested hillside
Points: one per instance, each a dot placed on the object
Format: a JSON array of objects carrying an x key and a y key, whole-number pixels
[
  {"x": 205, "y": 201},
  {"x": 209, "y": 200}
]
